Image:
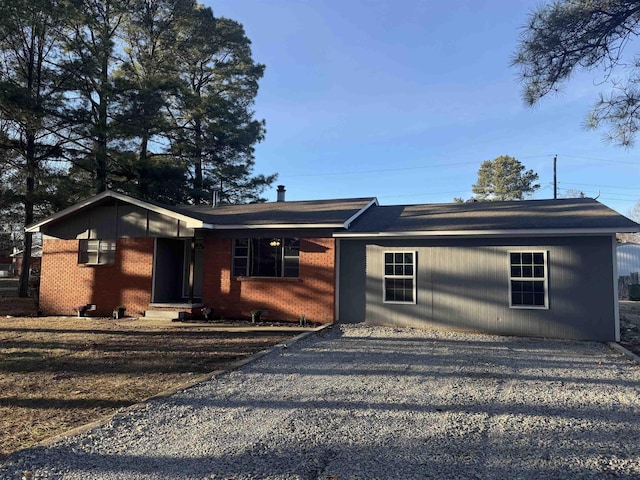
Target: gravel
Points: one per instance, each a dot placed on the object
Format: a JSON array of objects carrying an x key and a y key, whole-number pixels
[{"x": 358, "y": 402}]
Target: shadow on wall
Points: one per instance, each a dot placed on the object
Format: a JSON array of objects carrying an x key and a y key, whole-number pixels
[
  {"x": 467, "y": 288},
  {"x": 311, "y": 294}
]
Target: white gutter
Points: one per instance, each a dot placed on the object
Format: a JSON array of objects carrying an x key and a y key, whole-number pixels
[
  {"x": 274, "y": 226},
  {"x": 481, "y": 233}
]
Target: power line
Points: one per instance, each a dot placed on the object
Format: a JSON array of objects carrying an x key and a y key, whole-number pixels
[
  {"x": 359, "y": 172},
  {"x": 598, "y": 159},
  {"x": 599, "y": 186}
]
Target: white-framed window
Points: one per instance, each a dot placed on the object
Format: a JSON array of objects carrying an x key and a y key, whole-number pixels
[
  {"x": 266, "y": 257},
  {"x": 97, "y": 252},
  {"x": 399, "y": 283},
  {"x": 528, "y": 275}
]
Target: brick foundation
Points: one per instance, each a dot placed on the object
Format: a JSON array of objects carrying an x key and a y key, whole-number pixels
[{"x": 311, "y": 294}]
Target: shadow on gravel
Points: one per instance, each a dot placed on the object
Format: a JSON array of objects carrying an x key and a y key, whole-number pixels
[{"x": 378, "y": 408}]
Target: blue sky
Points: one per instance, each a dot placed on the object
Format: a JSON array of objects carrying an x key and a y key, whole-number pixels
[{"x": 404, "y": 99}]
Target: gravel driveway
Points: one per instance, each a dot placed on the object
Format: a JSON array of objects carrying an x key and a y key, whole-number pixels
[{"x": 378, "y": 403}]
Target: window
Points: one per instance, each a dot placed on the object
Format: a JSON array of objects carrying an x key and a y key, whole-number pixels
[
  {"x": 266, "y": 257},
  {"x": 528, "y": 279},
  {"x": 399, "y": 277},
  {"x": 97, "y": 252}
]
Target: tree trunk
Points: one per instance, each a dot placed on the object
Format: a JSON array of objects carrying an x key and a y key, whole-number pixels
[{"x": 31, "y": 161}]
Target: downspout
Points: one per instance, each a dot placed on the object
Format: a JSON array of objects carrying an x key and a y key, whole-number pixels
[
  {"x": 616, "y": 301},
  {"x": 336, "y": 296},
  {"x": 192, "y": 266}
]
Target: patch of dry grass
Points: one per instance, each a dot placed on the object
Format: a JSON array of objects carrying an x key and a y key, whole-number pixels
[{"x": 59, "y": 373}]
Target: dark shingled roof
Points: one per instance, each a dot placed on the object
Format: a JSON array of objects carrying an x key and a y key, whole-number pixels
[
  {"x": 573, "y": 213},
  {"x": 315, "y": 212}
]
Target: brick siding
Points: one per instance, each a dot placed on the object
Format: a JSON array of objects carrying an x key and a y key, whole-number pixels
[
  {"x": 64, "y": 284},
  {"x": 311, "y": 294}
]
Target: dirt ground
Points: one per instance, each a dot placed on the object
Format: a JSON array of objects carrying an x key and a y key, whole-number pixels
[{"x": 57, "y": 373}]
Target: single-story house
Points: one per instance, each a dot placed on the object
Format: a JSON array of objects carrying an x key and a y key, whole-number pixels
[
  {"x": 34, "y": 265},
  {"x": 534, "y": 268}
]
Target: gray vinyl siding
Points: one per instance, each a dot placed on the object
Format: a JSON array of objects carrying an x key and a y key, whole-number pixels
[
  {"x": 117, "y": 221},
  {"x": 464, "y": 285}
]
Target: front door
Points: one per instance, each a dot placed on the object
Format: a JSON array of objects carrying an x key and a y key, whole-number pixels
[{"x": 172, "y": 271}]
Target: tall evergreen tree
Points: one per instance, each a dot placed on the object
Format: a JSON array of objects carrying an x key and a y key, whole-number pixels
[
  {"x": 504, "y": 178},
  {"x": 215, "y": 126},
  {"x": 147, "y": 81},
  {"x": 566, "y": 36},
  {"x": 93, "y": 52},
  {"x": 30, "y": 97}
]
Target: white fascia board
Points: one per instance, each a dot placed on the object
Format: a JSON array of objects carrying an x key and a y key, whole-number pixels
[
  {"x": 483, "y": 233},
  {"x": 350, "y": 220},
  {"x": 275, "y": 226},
  {"x": 190, "y": 221}
]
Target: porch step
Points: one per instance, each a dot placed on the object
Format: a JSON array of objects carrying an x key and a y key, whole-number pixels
[
  {"x": 169, "y": 311},
  {"x": 163, "y": 314}
]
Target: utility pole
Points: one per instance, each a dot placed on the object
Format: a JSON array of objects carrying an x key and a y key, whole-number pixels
[{"x": 555, "y": 178}]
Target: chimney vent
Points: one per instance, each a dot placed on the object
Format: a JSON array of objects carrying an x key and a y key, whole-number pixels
[
  {"x": 281, "y": 191},
  {"x": 215, "y": 201}
]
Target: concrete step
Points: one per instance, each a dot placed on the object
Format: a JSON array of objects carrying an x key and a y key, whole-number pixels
[{"x": 163, "y": 314}]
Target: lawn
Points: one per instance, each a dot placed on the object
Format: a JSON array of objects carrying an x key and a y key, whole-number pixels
[{"x": 57, "y": 373}]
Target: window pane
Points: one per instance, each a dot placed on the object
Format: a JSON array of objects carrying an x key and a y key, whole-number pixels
[
  {"x": 516, "y": 298},
  {"x": 516, "y": 286},
  {"x": 408, "y": 258},
  {"x": 388, "y": 258},
  {"x": 399, "y": 270},
  {"x": 538, "y": 272},
  {"x": 527, "y": 258},
  {"x": 266, "y": 259},
  {"x": 240, "y": 267},
  {"x": 538, "y": 299},
  {"x": 291, "y": 247},
  {"x": 291, "y": 266},
  {"x": 515, "y": 258},
  {"x": 398, "y": 258},
  {"x": 527, "y": 271},
  {"x": 242, "y": 251},
  {"x": 516, "y": 272},
  {"x": 408, "y": 270},
  {"x": 538, "y": 258}
]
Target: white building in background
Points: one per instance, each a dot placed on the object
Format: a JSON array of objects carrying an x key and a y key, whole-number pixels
[{"x": 628, "y": 255}]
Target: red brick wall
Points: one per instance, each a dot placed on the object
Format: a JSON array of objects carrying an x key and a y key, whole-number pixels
[
  {"x": 64, "y": 285},
  {"x": 311, "y": 294}
]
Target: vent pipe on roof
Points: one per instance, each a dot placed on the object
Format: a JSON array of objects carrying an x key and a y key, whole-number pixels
[
  {"x": 215, "y": 201},
  {"x": 281, "y": 191}
]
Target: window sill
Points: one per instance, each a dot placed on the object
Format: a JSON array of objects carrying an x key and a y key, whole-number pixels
[
  {"x": 529, "y": 307},
  {"x": 269, "y": 279}
]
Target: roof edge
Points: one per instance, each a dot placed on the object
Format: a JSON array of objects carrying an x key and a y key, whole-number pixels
[
  {"x": 275, "y": 226},
  {"x": 484, "y": 233},
  {"x": 352, "y": 218}
]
